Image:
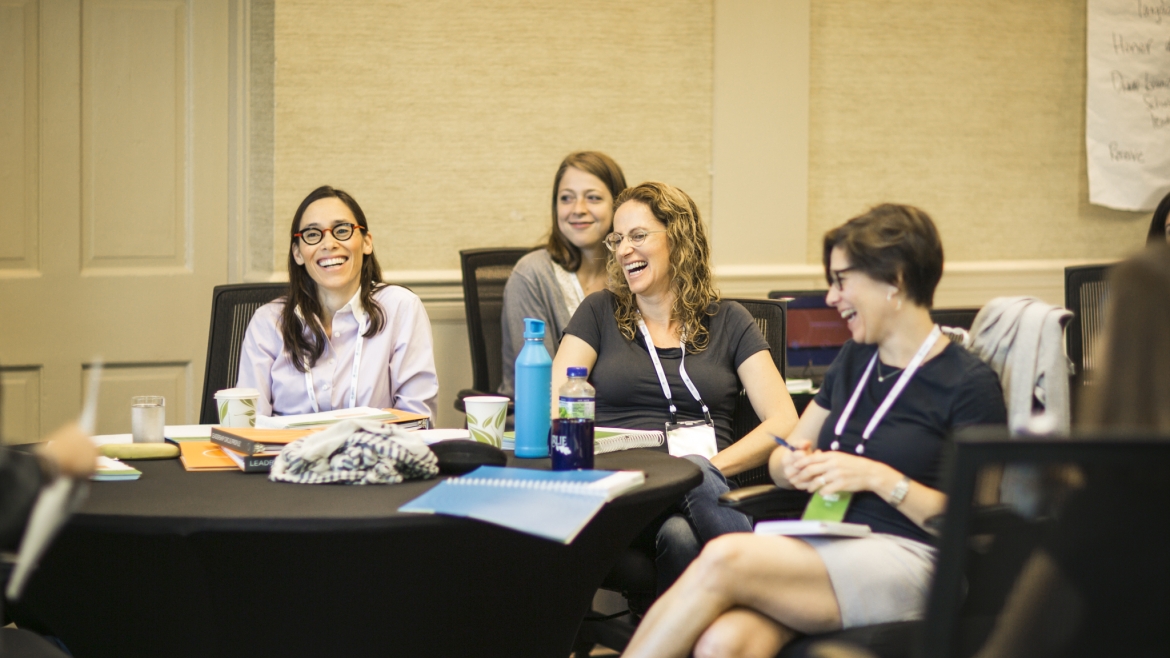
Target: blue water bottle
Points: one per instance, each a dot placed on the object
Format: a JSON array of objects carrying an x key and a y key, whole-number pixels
[{"x": 533, "y": 392}]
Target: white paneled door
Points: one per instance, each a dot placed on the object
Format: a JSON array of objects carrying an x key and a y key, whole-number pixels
[{"x": 114, "y": 154}]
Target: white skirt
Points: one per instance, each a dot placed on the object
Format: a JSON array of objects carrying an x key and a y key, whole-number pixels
[{"x": 879, "y": 578}]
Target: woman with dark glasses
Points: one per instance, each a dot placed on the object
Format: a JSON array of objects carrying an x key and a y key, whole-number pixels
[
  {"x": 876, "y": 432},
  {"x": 341, "y": 338}
]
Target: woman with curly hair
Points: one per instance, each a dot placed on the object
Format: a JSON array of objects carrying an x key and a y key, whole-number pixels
[
  {"x": 660, "y": 294},
  {"x": 877, "y": 431}
]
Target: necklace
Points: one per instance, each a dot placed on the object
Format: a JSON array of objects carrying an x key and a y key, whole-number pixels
[{"x": 884, "y": 376}]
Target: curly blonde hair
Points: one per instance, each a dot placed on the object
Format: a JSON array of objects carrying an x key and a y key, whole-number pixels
[{"x": 695, "y": 296}]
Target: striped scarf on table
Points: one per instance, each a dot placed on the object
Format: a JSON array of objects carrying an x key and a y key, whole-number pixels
[{"x": 355, "y": 452}]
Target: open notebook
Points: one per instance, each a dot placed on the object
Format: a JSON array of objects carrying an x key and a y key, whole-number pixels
[{"x": 555, "y": 505}]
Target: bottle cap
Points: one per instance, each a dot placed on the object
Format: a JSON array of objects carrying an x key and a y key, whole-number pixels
[
  {"x": 533, "y": 328},
  {"x": 577, "y": 371}
]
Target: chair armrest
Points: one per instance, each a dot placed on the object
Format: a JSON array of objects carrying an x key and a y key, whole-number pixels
[
  {"x": 833, "y": 649},
  {"x": 766, "y": 501}
]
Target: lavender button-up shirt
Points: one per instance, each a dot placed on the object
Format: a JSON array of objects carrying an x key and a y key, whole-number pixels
[{"x": 397, "y": 365}]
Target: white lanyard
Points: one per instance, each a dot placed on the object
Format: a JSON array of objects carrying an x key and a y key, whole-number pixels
[
  {"x": 903, "y": 380},
  {"x": 682, "y": 371},
  {"x": 357, "y": 361}
]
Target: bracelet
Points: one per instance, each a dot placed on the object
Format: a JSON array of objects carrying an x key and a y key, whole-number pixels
[{"x": 900, "y": 491}]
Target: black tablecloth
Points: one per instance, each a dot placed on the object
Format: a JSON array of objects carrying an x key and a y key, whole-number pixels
[{"x": 222, "y": 564}]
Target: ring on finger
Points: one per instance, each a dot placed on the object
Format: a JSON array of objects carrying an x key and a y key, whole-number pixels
[{"x": 824, "y": 482}]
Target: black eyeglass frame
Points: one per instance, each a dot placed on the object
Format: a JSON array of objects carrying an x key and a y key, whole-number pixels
[
  {"x": 835, "y": 276},
  {"x": 352, "y": 227}
]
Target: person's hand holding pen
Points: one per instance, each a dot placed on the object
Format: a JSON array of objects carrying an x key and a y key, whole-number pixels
[{"x": 783, "y": 458}]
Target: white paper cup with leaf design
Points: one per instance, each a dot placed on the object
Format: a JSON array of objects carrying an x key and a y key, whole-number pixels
[
  {"x": 486, "y": 416},
  {"x": 237, "y": 406}
]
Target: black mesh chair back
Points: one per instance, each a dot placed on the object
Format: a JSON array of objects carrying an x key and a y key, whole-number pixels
[
  {"x": 770, "y": 316},
  {"x": 232, "y": 307},
  {"x": 1101, "y": 516},
  {"x": 960, "y": 318},
  {"x": 786, "y": 294},
  {"x": 1101, "y": 519},
  {"x": 485, "y": 271},
  {"x": 1085, "y": 294}
]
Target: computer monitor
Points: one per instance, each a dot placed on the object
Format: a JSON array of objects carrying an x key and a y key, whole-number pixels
[{"x": 816, "y": 333}]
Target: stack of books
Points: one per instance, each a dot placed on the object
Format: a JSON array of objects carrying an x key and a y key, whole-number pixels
[{"x": 253, "y": 449}]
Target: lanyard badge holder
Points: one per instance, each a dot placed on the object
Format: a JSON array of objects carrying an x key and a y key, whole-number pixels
[
  {"x": 353, "y": 380},
  {"x": 834, "y": 506},
  {"x": 693, "y": 437}
]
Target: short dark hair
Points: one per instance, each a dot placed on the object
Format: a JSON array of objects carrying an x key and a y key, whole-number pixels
[
  {"x": 565, "y": 253},
  {"x": 1157, "y": 234},
  {"x": 304, "y": 350},
  {"x": 889, "y": 242}
]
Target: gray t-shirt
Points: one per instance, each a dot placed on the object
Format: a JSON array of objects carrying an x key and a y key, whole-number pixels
[
  {"x": 532, "y": 291},
  {"x": 628, "y": 392}
]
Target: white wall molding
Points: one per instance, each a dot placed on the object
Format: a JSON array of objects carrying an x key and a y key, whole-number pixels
[{"x": 964, "y": 283}]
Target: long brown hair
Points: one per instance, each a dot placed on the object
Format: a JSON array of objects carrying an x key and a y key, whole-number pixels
[
  {"x": 1132, "y": 388},
  {"x": 691, "y": 281},
  {"x": 305, "y": 340},
  {"x": 565, "y": 253}
]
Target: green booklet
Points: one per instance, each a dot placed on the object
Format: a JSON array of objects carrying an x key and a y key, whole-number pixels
[{"x": 827, "y": 508}]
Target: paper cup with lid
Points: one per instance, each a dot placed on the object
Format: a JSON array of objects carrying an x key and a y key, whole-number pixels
[{"x": 237, "y": 406}]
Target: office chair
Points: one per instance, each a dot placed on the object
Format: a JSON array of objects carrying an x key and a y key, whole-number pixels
[
  {"x": 983, "y": 549},
  {"x": 771, "y": 317},
  {"x": 960, "y": 318},
  {"x": 1085, "y": 293},
  {"x": 634, "y": 574},
  {"x": 794, "y": 294},
  {"x": 485, "y": 272},
  {"x": 232, "y": 307}
]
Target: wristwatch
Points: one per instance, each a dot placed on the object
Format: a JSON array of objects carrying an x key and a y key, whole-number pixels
[{"x": 900, "y": 491}]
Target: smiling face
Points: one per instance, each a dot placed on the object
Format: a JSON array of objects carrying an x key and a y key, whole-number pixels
[
  {"x": 862, "y": 301},
  {"x": 646, "y": 267},
  {"x": 584, "y": 209},
  {"x": 333, "y": 264}
]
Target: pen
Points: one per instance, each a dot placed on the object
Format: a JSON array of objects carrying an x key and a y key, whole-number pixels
[{"x": 784, "y": 443}]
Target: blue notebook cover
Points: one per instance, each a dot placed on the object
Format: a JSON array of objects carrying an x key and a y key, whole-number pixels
[{"x": 555, "y": 505}]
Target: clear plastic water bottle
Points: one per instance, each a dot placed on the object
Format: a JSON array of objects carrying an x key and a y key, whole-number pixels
[
  {"x": 577, "y": 395},
  {"x": 533, "y": 392}
]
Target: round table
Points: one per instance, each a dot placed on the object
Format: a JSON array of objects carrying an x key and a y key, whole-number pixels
[{"x": 227, "y": 564}]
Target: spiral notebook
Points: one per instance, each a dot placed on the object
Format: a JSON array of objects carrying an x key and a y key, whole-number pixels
[
  {"x": 613, "y": 439},
  {"x": 555, "y": 505}
]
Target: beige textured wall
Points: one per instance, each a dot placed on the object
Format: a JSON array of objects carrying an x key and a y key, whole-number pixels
[
  {"x": 973, "y": 111},
  {"x": 447, "y": 119}
]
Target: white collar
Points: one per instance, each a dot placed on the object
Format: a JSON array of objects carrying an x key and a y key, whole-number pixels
[{"x": 355, "y": 306}]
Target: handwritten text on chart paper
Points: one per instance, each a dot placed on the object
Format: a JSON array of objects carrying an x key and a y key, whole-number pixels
[{"x": 1127, "y": 102}]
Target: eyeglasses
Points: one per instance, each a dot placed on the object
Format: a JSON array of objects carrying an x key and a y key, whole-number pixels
[
  {"x": 341, "y": 233},
  {"x": 636, "y": 238},
  {"x": 835, "y": 277}
]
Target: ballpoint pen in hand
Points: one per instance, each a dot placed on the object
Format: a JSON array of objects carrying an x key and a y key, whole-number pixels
[{"x": 781, "y": 441}]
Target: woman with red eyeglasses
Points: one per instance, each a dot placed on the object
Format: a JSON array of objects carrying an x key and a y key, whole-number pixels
[{"x": 341, "y": 338}]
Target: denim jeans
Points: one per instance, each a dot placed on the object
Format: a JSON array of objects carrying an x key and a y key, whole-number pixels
[{"x": 699, "y": 520}]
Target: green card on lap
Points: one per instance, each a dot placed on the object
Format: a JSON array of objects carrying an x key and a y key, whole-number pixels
[{"x": 831, "y": 508}]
